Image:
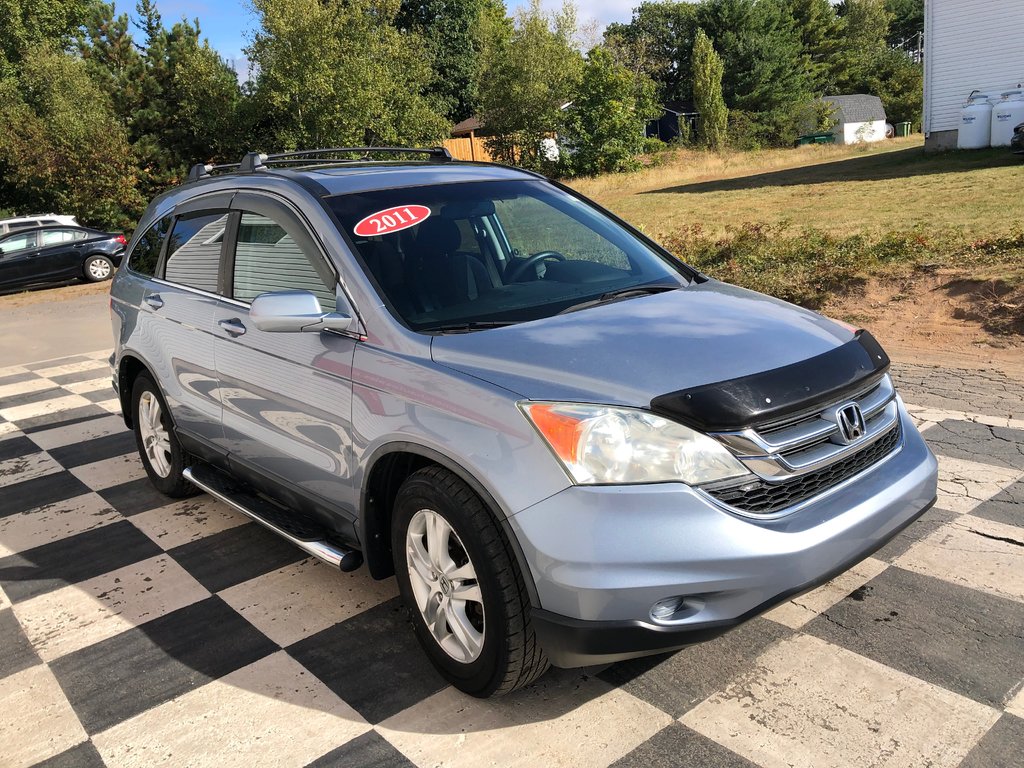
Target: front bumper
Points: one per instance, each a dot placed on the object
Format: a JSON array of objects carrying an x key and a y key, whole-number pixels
[{"x": 602, "y": 556}]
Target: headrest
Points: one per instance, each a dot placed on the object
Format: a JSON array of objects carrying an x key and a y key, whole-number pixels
[{"x": 437, "y": 237}]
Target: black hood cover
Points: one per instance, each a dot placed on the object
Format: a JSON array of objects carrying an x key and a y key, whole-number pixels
[{"x": 771, "y": 396}]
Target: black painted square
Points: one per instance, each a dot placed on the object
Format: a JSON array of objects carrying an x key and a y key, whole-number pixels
[
  {"x": 676, "y": 745},
  {"x": 61, "y": 418},
  {"x": 372, "y": 661},
  {"x": 96, "y": 449},
  {"x": 235, "y": 555},
  {"x": 962, "y": 639},
  {"x": 677, "y": 682},
  {"x": 16, "y": 652},
  {"x": 36, "y": 396},
  {"x": 82, "y": 756},
  {"x": 76, "y": 558},
  {"x": 370, "y": 750},
  {"x": 969, "y": 440},
  {"x": 134, "y": 497},
  {"x": 40, "y": 491},
  {"x": 1007, "y": 506},
  {"x": 15, "y": 447},
  {"x": 55, "y": 363},
  {"x": 119, "y": 677},
  {"x": 1001, "y": 747},
  {"x": 101, "y": 371}
]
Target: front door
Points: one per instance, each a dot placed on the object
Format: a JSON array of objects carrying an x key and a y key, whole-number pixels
[
  {"x": 17, "y": 257},
  {"x": 287, "y": 397}
]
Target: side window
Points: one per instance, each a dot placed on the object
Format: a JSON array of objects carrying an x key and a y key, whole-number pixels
[
  {"x": 146, "y": 253},
  {"x": 80, "y": 235},
  {"x": 267, "y": 259},
  {"x": 57, "y": 236},
  {"x": 193, "y": 250},
  {"x": 18, "y": 243}
]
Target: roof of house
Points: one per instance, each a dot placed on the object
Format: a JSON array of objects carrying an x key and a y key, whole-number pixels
[
  {"x": 466, "y": 126},
  {"x": 857, "y": 108}
]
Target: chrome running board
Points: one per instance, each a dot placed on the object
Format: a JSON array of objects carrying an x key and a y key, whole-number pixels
[{"x": 306, "y": 535}]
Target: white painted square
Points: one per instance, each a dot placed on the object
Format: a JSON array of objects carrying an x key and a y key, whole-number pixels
[
  {"x": 80, "y": 615},
  {"x": 7, "y": 429},
  {"x": 44, "y": 407},
  {"x": 66, "y": 368},
  {"x": 4, "y": 602},
  {"x": 51, "y": 522},
  {"x": 963, "y": 485},
  {"x": 975, "y": 553},
  {"x": 58, "y": 437},
  {"x": 92, "y": 385},
  {"x": 36, "y": 720},
  {"x": 271, "y": 713},
  {"x": 27, "y": 467},
  {"x": 801, "y": 610},
  {"x": 110, "y": 472},
  {"x": 24, "y": 388},
  {"x": 187, "y": 520},
  {"x": 111, "y": 406},
  {"x": 1016, "y": 705},
  {"x": 808, "y": 704},
  {"x": 304, "y": 598},
  {"x": 562, "y": 720}
]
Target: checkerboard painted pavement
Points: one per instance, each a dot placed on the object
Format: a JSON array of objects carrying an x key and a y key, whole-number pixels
[{"x": 136, "y": 631}]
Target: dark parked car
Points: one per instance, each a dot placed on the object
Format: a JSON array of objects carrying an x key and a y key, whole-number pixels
[
  {"x": 1017, "y": 142},
  {"x": 56, "y": 254}
]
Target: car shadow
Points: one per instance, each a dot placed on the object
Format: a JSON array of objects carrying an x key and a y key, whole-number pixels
[{"x": 883, "y": 166}]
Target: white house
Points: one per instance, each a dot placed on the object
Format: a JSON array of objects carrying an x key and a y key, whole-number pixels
[
  {"x": 969, "y": 45},
  {"x": 858, "y": 118}
]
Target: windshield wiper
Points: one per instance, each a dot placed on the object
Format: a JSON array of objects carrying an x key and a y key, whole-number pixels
[
  {"x": 622, "y": 293},
  {"x": 469, "y": 327}
]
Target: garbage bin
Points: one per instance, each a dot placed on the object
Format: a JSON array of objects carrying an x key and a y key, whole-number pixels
[
  {"x": 903, "y": 129},
  {"x": 815, "y": 138}
]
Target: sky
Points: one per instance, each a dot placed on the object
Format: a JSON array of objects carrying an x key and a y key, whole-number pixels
[{"x": 226, "y": 23}]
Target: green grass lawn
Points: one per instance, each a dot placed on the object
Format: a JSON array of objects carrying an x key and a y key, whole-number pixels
[
  {"x": 807, "y": 224},
  {"x": 872, "y": 189}
]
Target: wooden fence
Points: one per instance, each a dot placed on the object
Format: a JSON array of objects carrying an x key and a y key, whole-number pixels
[{"x": 468, "y": 148}]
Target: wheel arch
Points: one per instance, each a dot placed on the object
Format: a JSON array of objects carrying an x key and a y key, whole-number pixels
[
  {"x": 387, "y": 468},
  {"x": 128, "y": 369}
]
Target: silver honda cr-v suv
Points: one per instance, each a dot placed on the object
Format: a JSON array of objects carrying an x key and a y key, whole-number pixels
[{"x": 569, "y": 447}]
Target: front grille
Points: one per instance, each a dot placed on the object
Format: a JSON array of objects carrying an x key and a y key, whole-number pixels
[{"x": 764, "y": 498}]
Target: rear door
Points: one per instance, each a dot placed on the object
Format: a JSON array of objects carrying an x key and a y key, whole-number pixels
[
  {"x": 60, "y": 254},
  {"x": 17, "y": 256},
  {"x": 287, "y": 397}
]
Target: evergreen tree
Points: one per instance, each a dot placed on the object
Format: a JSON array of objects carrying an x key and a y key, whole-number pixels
[
  {"x": 818, "y": 26},
  {"x": 707, "y": 93}
]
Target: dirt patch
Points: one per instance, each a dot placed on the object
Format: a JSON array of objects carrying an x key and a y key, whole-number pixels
[
  {"x": 937, "y": 318},
  {"x": 52, "y": 293}
]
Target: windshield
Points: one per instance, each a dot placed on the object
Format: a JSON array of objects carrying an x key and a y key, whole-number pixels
[{"x": 467, "y": 256}]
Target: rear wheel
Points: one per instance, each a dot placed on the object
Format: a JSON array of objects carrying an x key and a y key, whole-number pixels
[
  {"x": 98, "y": 268},
  {"x": 462, "y": 586},
  {"x": 162, "y": 455}
]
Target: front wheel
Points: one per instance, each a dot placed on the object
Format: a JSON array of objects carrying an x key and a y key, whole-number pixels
[
  {"x": 162, "y": 455},
  {"x": 462, "y": 586},
  {"x": 98, "y": 268}
]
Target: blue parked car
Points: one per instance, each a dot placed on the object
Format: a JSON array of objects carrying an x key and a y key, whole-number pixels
[{"x": 568, "y": 447}]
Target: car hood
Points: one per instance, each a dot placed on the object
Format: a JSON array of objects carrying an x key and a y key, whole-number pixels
[{"x": 629, "y": 352}]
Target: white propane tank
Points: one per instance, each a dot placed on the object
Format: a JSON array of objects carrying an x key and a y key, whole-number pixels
[
  {"x": 1007, "y": 114},
  {"x": 975, "y": 122}
]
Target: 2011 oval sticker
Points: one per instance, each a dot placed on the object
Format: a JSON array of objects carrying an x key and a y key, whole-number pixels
[{"x": 391, "y": 220}]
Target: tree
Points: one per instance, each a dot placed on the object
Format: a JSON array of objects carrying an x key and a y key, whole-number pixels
[
  {"x": 818, "y": 27},
  {"x": 524, "y": 89},
  {"x": 658, "y": 43},
  {"x": 765, "y": 75},
  {"x": 62, "y": 147},
  {"x": 450, "y": 31},
  {"x": 907, "y": 20},
  {"x": 341, "y": 74},
  {"x": 25, "y": 25},
  {"x": 605, "y": 124},
  {"x": 707, "y": 93}
]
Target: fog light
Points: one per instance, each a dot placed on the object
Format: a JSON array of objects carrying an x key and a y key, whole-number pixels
[{"x": 673, "y": 609}]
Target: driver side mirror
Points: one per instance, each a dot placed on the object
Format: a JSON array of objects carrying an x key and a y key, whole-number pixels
[{"x": 294, "y": 312}]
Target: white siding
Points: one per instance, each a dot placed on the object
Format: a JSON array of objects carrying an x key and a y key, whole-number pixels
[{"x": 969, "y": 45}]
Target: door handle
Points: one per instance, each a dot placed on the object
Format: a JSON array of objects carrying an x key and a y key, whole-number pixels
[
  {"x": 154, "y": 300},
  {"x": 233, "y": 327}
]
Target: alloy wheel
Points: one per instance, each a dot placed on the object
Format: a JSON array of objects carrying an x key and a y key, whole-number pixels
[
  {"x": 444, "y": 585},
  {"x": 155, "y": 438}
]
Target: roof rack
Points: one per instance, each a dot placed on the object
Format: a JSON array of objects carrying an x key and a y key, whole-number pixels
[{"x": 253, "y": 161}]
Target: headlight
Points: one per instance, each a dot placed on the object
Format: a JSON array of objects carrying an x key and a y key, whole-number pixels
[{"x": 600, "y": 444}]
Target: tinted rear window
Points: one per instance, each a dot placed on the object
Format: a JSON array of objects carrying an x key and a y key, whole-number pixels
[{"x": 146, "y": 253}]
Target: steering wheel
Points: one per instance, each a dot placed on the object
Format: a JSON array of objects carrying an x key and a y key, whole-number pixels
[{"x": 520, "y": 269}]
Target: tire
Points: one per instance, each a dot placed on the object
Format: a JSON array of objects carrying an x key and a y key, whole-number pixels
[
  {"x": 506, "y": 655},
  {"x": 162, "y": 455},
  {"x": 97, "y": 268}
]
